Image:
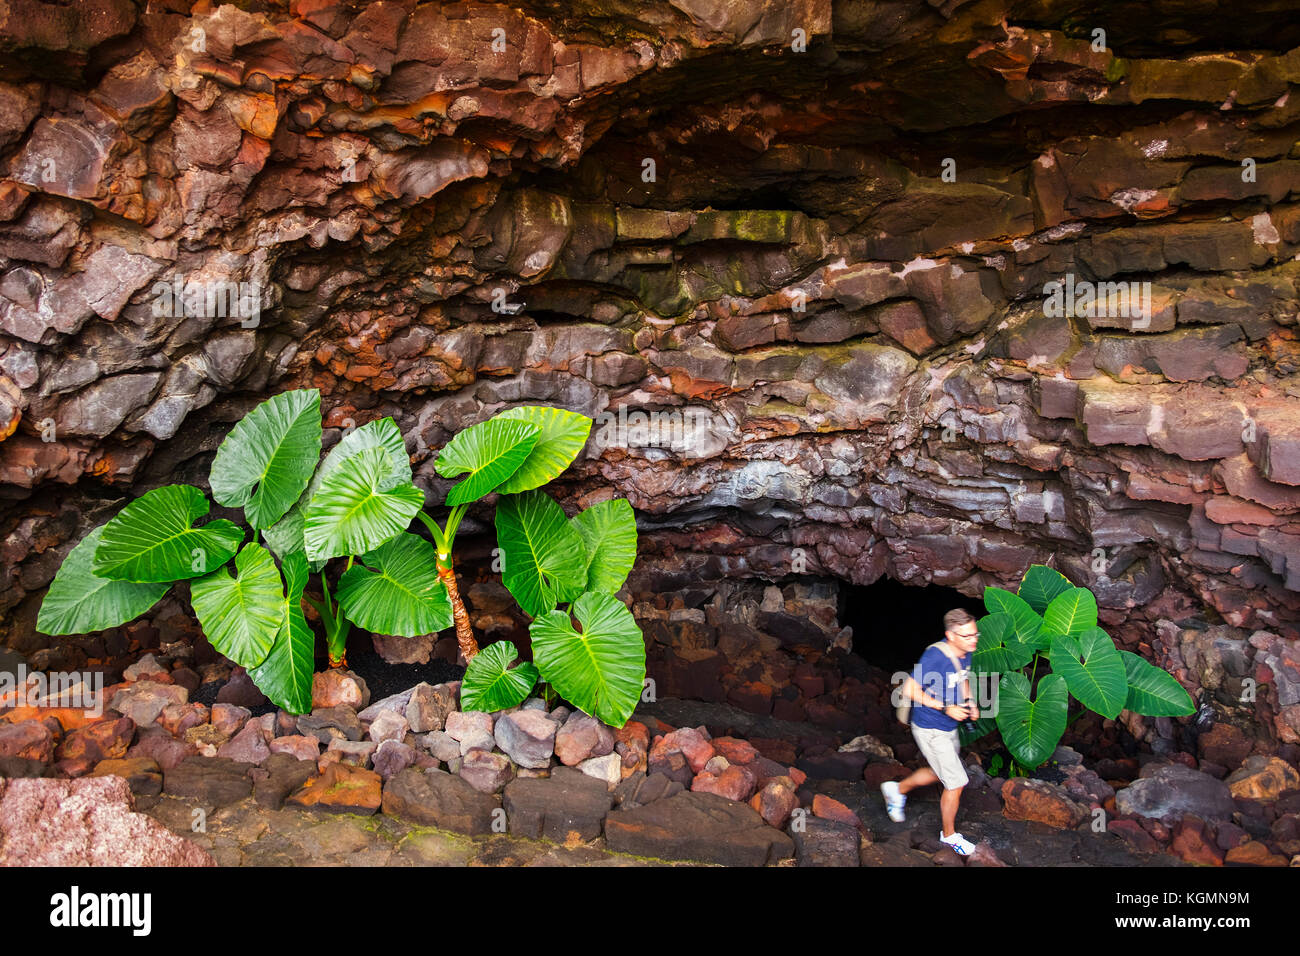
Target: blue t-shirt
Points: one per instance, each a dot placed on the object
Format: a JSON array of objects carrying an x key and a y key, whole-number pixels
[{"x": 940, "y": 679}]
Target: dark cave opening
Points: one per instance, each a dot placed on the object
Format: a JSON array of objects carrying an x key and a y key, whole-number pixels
[{"x": 893, "y": 623}]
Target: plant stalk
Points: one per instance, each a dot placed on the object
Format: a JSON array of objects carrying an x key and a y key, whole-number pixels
[
  {"x": 336, "y": 628},
  {"x": 464, "y": 632}
]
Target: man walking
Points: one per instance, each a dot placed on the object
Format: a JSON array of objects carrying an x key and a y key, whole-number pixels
[{"x": 939, "y": 689}]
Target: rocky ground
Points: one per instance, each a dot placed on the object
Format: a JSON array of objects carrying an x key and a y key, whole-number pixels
[{"x": 412, "y": 780}]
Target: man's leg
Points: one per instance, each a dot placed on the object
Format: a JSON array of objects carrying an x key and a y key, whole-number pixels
[
  {"x": 918, "y": 778},
  {"x": 948, "y": 802}
]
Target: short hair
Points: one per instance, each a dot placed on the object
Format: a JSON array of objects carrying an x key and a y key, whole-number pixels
[{"x": 955, "y": 618}]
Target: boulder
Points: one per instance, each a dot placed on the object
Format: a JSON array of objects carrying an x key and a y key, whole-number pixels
[
  {"x": 567, "y": 807},
  {"x": 337, "y": 687},
  {"x": 208, "y": 782},
  {"x": 387, "y": 725},
  {"x": 1194, "y": 844},
  {"x": 392, "y": 757},
  {"x": 28, "y": 739},
  {"x": 774, "y": 803},
  {"x": 819, "y": 842},
  {"x": 328, "y": 723},
  {"x": 85, "y": 822},
  {"x": 297, "y": 746},
  {"x": 429, "y": 706},
  {"x": 1171, "y": 790},
  {"x": 527, "y": 737},
  {"x": 340, "y": 788},
  {"x": 228, "y": 718},
  {"x": 282, "y": 774},
  {"x": 144, "y": 700},
  {"x": 247, "y": 746},
  {"x": 394, "y": 702},
  {"x": 608, "y": 769},
  {"x": 437, "y": 798},
  {"x": 1263, "y": 778},
  {"x": 485, "y": 771},
  {"x": 1025, "y": 798},
  {"x": 461, "y": 724},
  {"x": 690, "y": 742},
  {"x": 697, "y": 826},
  {"x": 581, "y": 738},
  {"x": 825, "y": 808}
]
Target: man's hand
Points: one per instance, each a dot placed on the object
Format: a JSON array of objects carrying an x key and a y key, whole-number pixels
[{"x": 956, "y": 712}]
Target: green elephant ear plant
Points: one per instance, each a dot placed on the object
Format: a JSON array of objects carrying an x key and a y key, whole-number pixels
[
  {"x": 548, "y": 560},
  {"x": 356, "y": 506},
  {"x": 1051, "y": 623}
]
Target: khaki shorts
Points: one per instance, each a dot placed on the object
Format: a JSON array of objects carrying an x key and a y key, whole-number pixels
[{"x": 942, "y": 752}]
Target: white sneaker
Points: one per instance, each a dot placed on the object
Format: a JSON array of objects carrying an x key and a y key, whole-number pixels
[
  {"x": 959, "y": 844},
  {"x": 894, "y": 800}
]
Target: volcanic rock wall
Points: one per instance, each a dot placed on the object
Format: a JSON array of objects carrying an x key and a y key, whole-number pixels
[{"x": 856, "y": 248}]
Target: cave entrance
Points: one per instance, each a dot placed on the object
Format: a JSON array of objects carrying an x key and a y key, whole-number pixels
[{"x": 893, "y": 623}]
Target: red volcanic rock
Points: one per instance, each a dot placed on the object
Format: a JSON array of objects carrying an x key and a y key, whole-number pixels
[
  {"x": 85, "y": 822},
  {"x": 29, "y": 739},
  {"x": 829, "y": 809},
  {"x": 736, "y": 751},
  {"x": 1028, "y": 799},
  {"x": 690, "y": 742},
  {"x": 104, "y": 740},
  {"x": 1193, "y": 844},
  {"x": 734, "y": 783},
  {"x": 774, "y": 803}
]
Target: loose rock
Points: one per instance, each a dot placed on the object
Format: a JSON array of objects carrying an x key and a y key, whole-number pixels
[
  {"x": 439, "y": 799},
  {"x": 341, "y": 788},
  {"x": 697, "y": 826},
  {"x": 527, "y": 737}
]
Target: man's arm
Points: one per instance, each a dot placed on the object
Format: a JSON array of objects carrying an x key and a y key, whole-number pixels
[{"x": 916, "y": 693}]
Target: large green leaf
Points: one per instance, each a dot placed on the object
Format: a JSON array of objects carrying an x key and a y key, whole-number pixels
[
  {"x": 561, "y": 438},
  {"x": 402, "y": 595},
  {"x": 609, "y": 531},
  {"x": 1024, "y": 620},
  {"x": 153, "y": 539},
  {"x": 1152, "y": 691},
  {"x": 1031, "y": 729},
  {"x": 1071, "y": 612},
  {"x": 286, "y": 674},
  {"x": 358, "y": 507},
  {"x": 241, "y": 616},
  {"x": 998, "y": 650},
  {"x": 489, "y": 683},
  {"x": 1040, "y": 584},
  {"x": 79, "y": 601},
  {"x": 544, "y": 558},
  {"x": 601, "y": 669},
  {"x": 287, "y": 534},
  {"x": 382, "y": 433},
  {"x": 490, "y": 452},
  {"x": 1093, "y": 670},
  {"x": 265, "y": 462}
]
